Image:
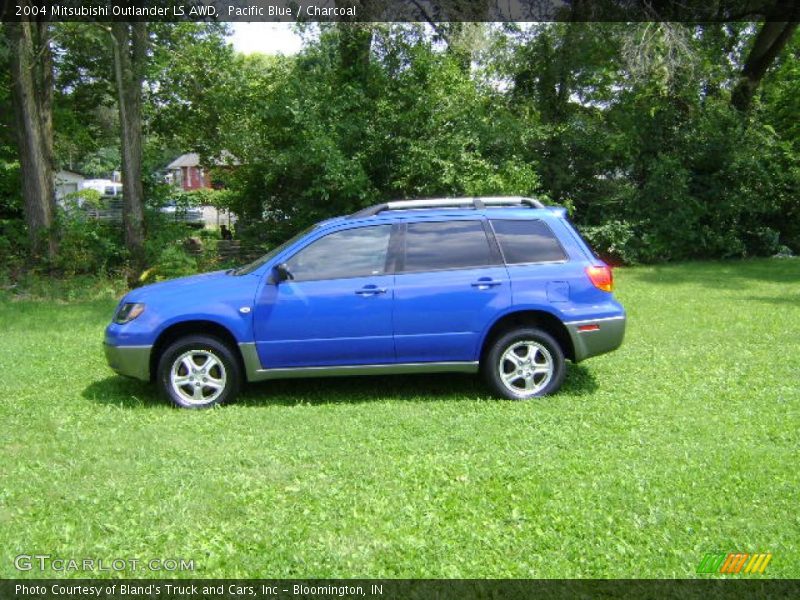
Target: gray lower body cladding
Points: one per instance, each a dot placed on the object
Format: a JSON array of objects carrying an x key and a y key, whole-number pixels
[{"x": 589, "y": 342}]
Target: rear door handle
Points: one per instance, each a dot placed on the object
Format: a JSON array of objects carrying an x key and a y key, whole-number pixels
[
  {"x": 484, "y": 283},
  {"x": 371, "y": 290}
]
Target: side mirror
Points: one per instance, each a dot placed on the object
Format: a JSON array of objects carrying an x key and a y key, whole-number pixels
[{"x": 282, "y": 273}]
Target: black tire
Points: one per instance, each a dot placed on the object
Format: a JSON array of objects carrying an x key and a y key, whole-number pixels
[
  {"x": 547, "y": 352},
  {"x": 218, "y": 383}
]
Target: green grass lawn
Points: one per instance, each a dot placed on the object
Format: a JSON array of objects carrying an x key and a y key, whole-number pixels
[{"x": 684, "y": 441}]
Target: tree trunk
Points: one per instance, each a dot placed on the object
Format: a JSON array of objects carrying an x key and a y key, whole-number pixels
[
  {"x": 355, "y": 41},
  {"x": 130, "y": 41},
  {"x": 31, "y": 95},
  {"x": 771, "y": 39}
]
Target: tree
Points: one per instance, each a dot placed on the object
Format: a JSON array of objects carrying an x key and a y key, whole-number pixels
[
  {"x": 10, "y": 188},
  {"x": 130, "y": 43},
  {"x": 771, "y": 39},
  {"x": 192, "y": 76},
  {"x": 85, "y": 116},
  {"x": 31, "y": 66}
]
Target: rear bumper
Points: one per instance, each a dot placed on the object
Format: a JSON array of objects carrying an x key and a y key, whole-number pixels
[
  {"x": 131, "y": 361},
  {"x": 588, "y": 340}
]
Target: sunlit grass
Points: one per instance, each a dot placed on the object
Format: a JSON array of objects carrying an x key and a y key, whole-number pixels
[{"x": 685, "y": 441}]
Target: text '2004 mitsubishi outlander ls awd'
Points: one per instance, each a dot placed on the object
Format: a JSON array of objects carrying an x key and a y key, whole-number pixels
[{"x": 504, "y": 286}]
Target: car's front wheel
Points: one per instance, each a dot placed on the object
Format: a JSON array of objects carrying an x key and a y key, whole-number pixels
[
  {"x": 524, "y": 363},
  {"x": 198, "y": 372}
]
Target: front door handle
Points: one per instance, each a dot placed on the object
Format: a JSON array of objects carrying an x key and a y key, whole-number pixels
[
  {"x": 371, "y": 290},
  {"x": 484, "y": 283}
]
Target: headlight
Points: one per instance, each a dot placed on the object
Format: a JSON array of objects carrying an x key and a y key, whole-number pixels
[{"x": 128, "y": 312}]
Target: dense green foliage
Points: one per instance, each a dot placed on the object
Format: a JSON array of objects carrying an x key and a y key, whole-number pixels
[
  {"x": 10, "y": 205},
  {"x": 630, "y": 126},
  {"x": 682, "y": 442}
]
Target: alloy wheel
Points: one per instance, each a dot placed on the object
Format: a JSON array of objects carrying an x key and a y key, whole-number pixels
[
  {"x": 198, "y": 376},
  {"x": 526, "y": 367}
]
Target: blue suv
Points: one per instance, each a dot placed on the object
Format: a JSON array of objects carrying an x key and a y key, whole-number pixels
[{"x": 504, "y": 286}]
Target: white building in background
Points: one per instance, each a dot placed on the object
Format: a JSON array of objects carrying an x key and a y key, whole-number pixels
[{"x": 68, "y": 182}]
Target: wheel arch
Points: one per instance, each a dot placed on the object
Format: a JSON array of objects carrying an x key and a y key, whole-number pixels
[
  {"x": 541, "y": 319},
  {"x": 192, "y": 327}
]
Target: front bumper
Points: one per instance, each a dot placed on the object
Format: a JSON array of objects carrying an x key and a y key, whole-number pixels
[
  {"x": 131, "y": 361},
  {"x": 589, "y": 341}
]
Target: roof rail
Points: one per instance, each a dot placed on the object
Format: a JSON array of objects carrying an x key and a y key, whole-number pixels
[{"x": 476, "y": 203}]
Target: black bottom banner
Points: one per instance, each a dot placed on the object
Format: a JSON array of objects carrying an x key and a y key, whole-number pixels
[{"x": 390, "y": 589}]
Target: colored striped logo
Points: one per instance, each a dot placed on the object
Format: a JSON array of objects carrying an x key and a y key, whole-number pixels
[{"x": 734, "y": 562}]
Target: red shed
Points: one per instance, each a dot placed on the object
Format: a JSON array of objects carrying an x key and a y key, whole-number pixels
[{"x": 185, "y": 172}]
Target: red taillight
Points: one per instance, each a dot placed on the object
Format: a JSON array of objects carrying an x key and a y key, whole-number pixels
[{"x": 601, "y": 277}]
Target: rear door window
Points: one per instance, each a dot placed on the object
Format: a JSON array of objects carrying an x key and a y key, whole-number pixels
[{"x": 437, "y": 246}]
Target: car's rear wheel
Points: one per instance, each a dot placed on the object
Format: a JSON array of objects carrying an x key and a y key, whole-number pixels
[
  {"x": 199, "y": 372},
  {"x": 524, "y": 363}
]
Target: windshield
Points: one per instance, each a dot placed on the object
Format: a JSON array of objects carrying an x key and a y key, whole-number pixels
[{"x": 249, "y": 268}]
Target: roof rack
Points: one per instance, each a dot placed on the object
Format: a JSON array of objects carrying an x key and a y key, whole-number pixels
[{"x": 476, "y": 203}]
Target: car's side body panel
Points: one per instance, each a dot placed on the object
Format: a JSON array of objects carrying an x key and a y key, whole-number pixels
[
  {"x": 214, "y": 298},
  {"x": 440, "y": 316},
  {"x": 318, "y": 323}
]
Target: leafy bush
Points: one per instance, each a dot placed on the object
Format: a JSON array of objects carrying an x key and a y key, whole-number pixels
[
  {"x": 174, "y": 261},
  {"x": 100, "y": 162},
  {"x": 763, "y": 241},
  {"x": 201, "y": 197},
  {"x": 88, "y": 245},
  {"x": 616, "y": 242},
  {"x": 13, "y": 244},
  {"x": 10, "y": 200},
  {"x": 85, "y": 198}
]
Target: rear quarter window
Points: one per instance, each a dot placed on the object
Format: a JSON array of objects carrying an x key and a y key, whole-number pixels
[{"x": 527, "y": 242}]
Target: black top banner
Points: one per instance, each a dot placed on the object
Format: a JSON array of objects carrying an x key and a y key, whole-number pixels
[{"x": 401, "y": 10}]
